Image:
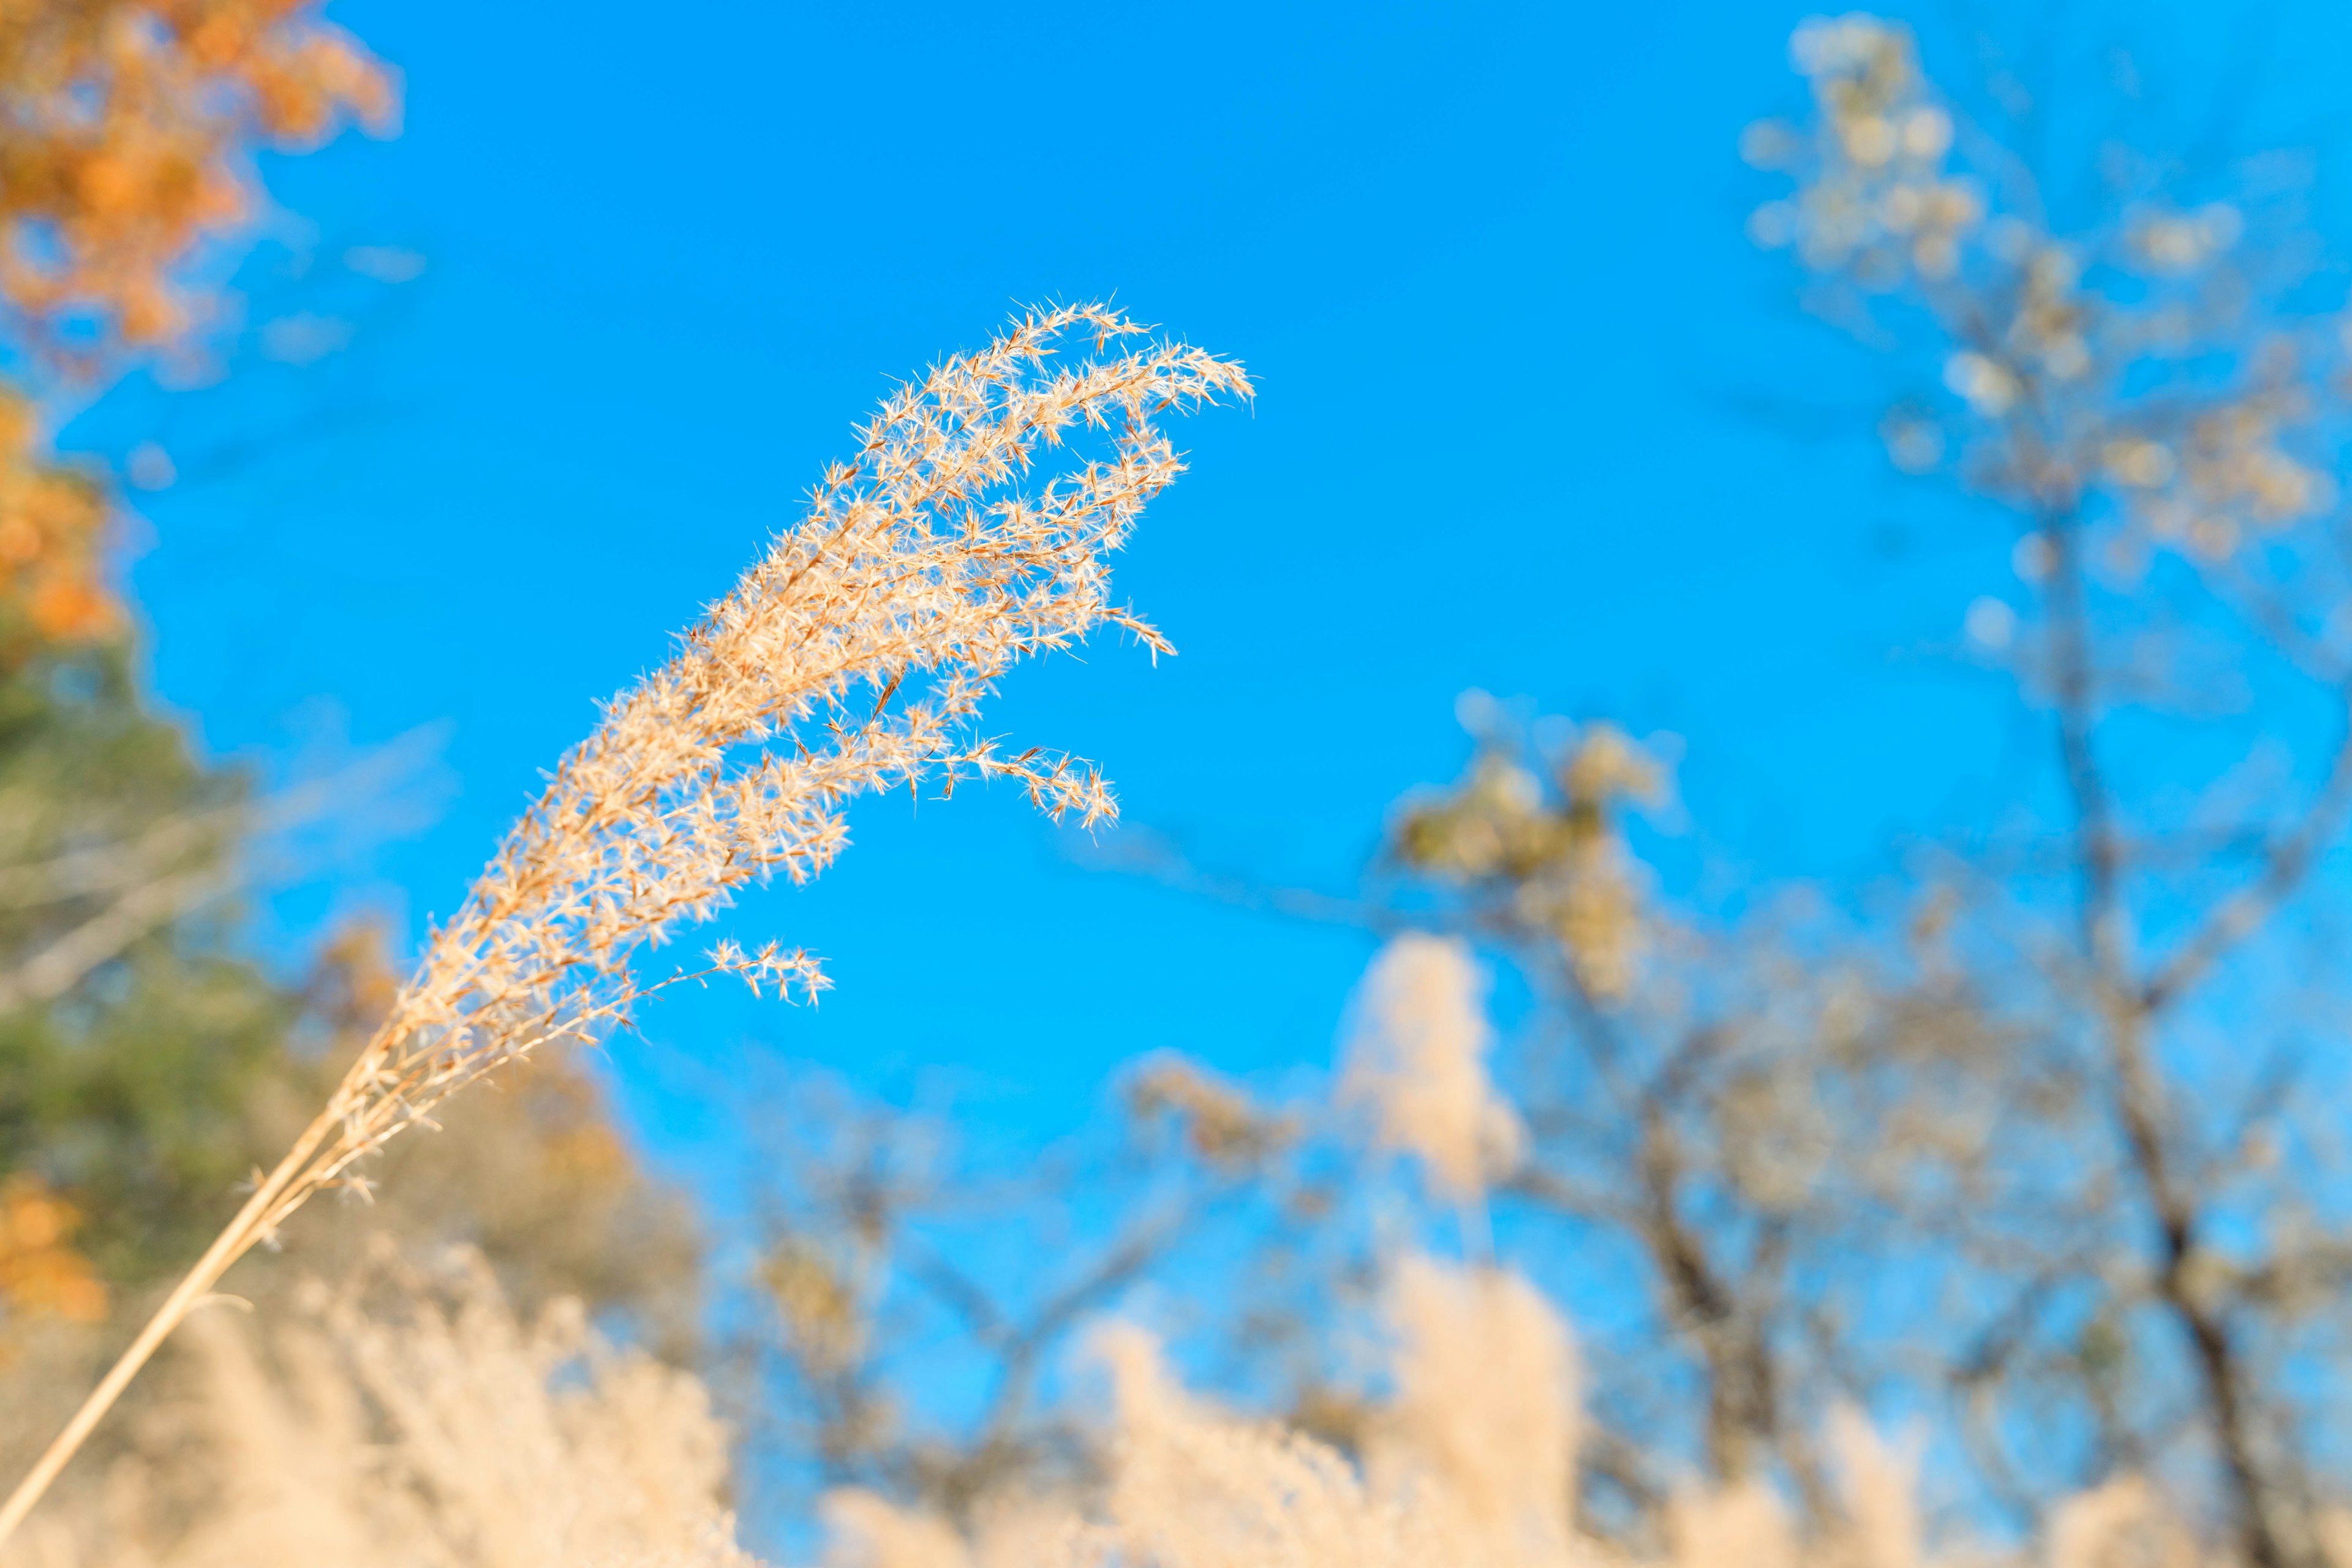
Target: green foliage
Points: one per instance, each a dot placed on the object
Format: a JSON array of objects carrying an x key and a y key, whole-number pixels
[
  {"x": 145, "y": 1079},
  {"x": 133, "y": 1086}
]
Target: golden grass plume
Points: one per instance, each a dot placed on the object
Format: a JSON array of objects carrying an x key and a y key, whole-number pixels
[{"x": 929, "y": 555}]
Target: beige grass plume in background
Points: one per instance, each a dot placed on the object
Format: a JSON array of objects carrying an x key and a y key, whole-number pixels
[
  {"x": 1473, "y": 1463},
  {"x": 923, "y": 556},
  {"x": 1416, "y": 1062},
  {"x": 409, "y": 1419},
  {"x": 1485, "y": 1408}
]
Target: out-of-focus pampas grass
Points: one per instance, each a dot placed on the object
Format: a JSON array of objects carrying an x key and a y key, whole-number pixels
[
  {"x": 1416, "y": 1061},
  {"x": 928, "y": 555},
  {"x": 413, "y": 1422},
  {"x": 864, "y": 1530},
  {"x": 1486, "y": 1407},
  {"x": 416, "y": 1426},
  {"x": 1471, "y": 1462},
  {"x": 2124, "y": 1524},
  {"x": 1878, "y": 1487},
  {"x": 1743, "y": 1523}
]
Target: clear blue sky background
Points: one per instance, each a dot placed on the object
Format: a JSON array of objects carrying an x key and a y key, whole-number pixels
[{"x": 1534, "y": 419}]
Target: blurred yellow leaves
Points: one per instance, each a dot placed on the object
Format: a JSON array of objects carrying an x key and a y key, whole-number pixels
[
  {"x": 820, "y": 1307},
  {"x": 40, "y": 1273},
  {"x": 352, "y": 983},
  {"x": 1559, "y": 851},
  {"x": 1878, "y": 199},
  {"x": 1220, "y": 1124},
  {"x": 2230, "y": 477}
]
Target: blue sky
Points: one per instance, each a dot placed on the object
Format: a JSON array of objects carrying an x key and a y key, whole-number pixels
[{"x": 1534, "y": 419}]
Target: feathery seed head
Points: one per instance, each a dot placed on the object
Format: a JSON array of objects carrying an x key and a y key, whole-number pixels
[{"x": 853, "y": 658}]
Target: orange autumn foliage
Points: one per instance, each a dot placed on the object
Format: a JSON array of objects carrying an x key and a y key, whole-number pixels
[
  {"x": 126, "y": 128},
  {"x": 50, "y": 521},
  {"x": 41, "y": 1272}
]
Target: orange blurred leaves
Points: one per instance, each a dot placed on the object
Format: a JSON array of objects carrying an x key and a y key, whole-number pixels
[
  {"x": 124, "y": 128},
  {"x": 51, "y": 522},
  {"x": 39, "y": 1270}
]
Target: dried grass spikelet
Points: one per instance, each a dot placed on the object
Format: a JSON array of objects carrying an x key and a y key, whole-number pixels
[
  {"x": 922, "y": 556},
  {"x": 1416, "y": 1060},
  {"x": 1486, "y": 1407}
]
